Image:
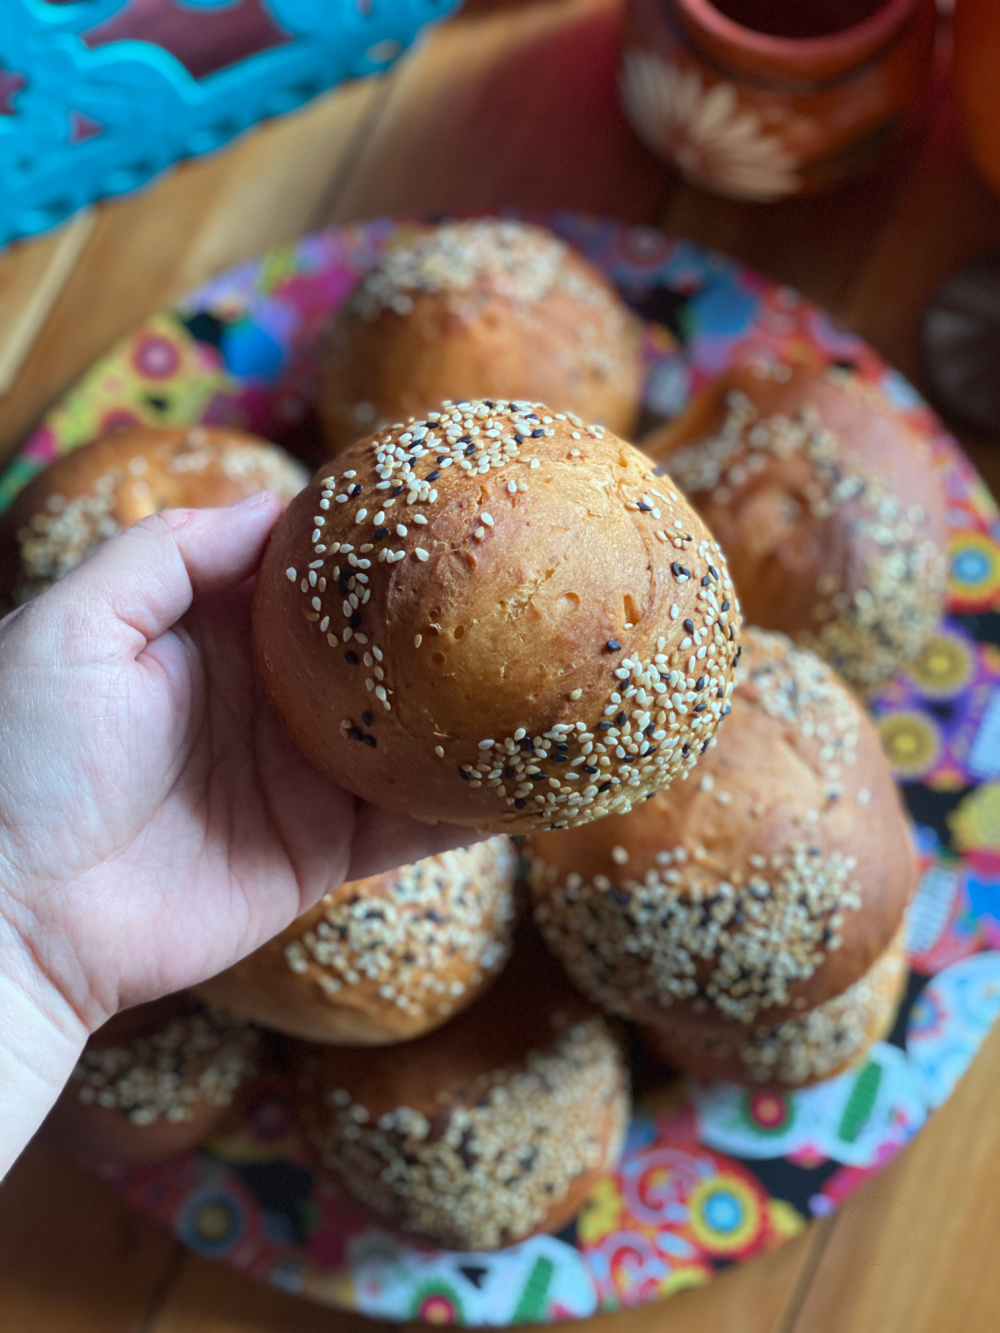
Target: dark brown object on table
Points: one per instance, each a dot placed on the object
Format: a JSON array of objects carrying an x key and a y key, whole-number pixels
[
  {"x": 154, "y": 1081},
  {"x": 480, "y": 309},
  {"x": 384, "y": 959},
  {"x": 765, "y": 885},
  {"x": 473, "y": 627},
  {"x": 105, "y": 486},
  {"x": 960, "y": 345},
  {"x": 827, "y": 504},
  {"x": 491, "y": 1129},
  {"x": 800, "y": 1051}
]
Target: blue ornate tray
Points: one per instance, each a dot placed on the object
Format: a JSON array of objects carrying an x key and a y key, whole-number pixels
[
  {"x": 712, "y": 1174},
  {"x": 98, "y": 96}
]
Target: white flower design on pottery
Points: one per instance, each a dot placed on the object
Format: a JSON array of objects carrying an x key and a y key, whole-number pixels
[{"x": 704, "y": 130}]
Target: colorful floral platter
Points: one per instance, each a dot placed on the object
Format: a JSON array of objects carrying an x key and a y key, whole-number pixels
[{"x": 712, "y": 1174}]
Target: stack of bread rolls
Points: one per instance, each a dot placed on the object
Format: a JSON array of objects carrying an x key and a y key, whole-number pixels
[{"x": 495, "y": 612}]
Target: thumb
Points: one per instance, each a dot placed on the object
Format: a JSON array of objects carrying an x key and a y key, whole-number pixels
[{"x": 148, "y": 577}]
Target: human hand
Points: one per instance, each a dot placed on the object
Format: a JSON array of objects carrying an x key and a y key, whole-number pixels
[{"x": 156, "y": 824}]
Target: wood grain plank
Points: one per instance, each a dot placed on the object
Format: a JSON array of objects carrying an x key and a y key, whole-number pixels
[
  {"x": 32, "y": 274},
  {"x": 147, "y": 250},
  {"x": 512, "y": 109},
  {"x": 74, "y": 1258},
  {"x": 915, "y": 1250},
  {"x": 207, "y": 1298}
]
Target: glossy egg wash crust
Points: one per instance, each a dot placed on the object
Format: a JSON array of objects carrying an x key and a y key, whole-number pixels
[{"x": 497, "y": 616}]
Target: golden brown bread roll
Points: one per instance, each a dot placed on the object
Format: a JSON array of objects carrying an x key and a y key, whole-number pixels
[
  {"x": 767, "y": 883},
  {"x": 494, "y": 1127},
  {"x": 383, "y": 959},
  {"x": 828, "y": 506},
  {"x": 481, "y": 308},
  {"x": 107, "y": 485},
  {"x": 152, "y": 1082},
  {"x": 820, "y": 1044},
  {"x": 497, "y": 617}
]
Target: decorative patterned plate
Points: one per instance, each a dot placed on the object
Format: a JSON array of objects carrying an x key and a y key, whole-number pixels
[{"x": 712, "y": 1174}]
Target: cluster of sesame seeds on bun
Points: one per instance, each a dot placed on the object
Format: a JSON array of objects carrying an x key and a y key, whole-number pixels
[
  {"x": 389, "y": 525},
  {"x": 730, "y": 897},
  {"x": 468, "y": 261},
  {"x": 105, "y": 486},
  {"x": 167, "y": 1075},
  {"x": 878, "y": 575},
  {"x": 485, "y": 1168},
  {"x": 424, "y": 943},
  {"x": 802, "y": 1050}
]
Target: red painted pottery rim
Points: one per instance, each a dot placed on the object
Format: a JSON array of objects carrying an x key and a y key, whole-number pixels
[{"x": 805, "y": 57}]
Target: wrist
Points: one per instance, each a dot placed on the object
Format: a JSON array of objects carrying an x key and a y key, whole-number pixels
[{"x": 41, "y": 1038}]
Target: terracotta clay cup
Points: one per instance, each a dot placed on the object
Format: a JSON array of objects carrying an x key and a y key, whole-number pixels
[{"x": 764, "y": 99}]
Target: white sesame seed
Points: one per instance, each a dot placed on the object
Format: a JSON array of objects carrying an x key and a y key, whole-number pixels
[
  {"x": 439, "y": 751},
  {"x": 421, "y": 554},
  {"x": 487, "y": 519},
  {"x": 487, "y": 744},
  {"x": 401, "y": 529},
  {"x": 418, "y": 640},
  {"x": 512, "y": 487},
  {"x": 291, "y": 575}
]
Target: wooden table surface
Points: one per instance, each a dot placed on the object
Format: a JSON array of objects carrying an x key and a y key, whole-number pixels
[{"x": 510, "y": 104}]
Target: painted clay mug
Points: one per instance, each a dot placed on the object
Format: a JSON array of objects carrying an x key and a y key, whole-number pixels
[{"x": 762, "y": 99}]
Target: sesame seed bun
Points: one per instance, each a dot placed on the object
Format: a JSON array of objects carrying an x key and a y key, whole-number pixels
[
  {"x": 105, "y": 486},
  {"x": 767, "y": 883},
  {"x": 152, "y": 1082},
  {"x": 383, "y": 959},
  {"x": 491, "y": 1129},
  {"x": 468, "y": 309},
  {"x": 827, "y": 504},
  {"x": 818, "y": 1045},
  {"x": 497, "y": 617}
]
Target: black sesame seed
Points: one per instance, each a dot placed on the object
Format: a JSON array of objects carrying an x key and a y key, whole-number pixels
[
  {"x": 536, "y": 777},
  {"x": 510, "y": 773},
  {"x": 356, "y": 489},
  {"x": 732, "y": 633},
  {"x": 700, "y": 683},
  {"x": 433, "y": 476},
  {"x": 557, "y": 758},
  {"x": 342, "y": 583},
  {"x": 370, "y": 741},
  {"x": 645, "y": 507},
  {"x": 700, "y": 708},
  {"x": 465, "y": 439},
  {"x": 520, "y": 803},
  {"x": 367, "y": 719},
  {"x": 442, "y": 457},
  {"x": 620, "y": 896},
  {"x": 675, "y": 569},
  {"x": 725, "y": 606},
  {"x": 396, "y": 490},
  {"x": 622, "y": 718},
  {"x": 613, "y": 646},
  {"x": 352, "y": 657},
  {"x": 705, "y": 581},
  {"x": 686, "y": 572},
  {"x": 490, "y": 405},
  {"x": 469, "y": 449},
  {"x": 686, "y": 748},
  {"x": 720, "y": 694},
  {"x": 519, "y": 437},
  {"x": 528, "y": 744},
  {"x": 355, "y": 620},
  {"x": 589, "y": 768},
  {"x": 605, "y": 786},
  {"x": 605, "y": 725},
  {"x": 705, "y": 747},
  {"x": 380, "y": 533},
  {"x": 537, "y": 434},
  {"x": 354, "y": 734},
  {"x": 727, "y": 710},
  {"x": 463, "y": 775},
  {"x": 689, "y": 626},
  {"x": 650, "y": 729},
  {"x": 714, "y": 572}
]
